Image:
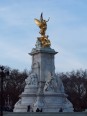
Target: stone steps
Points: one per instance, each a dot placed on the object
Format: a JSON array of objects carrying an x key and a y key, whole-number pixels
[{"x": 45, "y": 114}]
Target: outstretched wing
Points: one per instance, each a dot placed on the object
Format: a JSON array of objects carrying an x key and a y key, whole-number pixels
[{"x": 37, "y": 22}]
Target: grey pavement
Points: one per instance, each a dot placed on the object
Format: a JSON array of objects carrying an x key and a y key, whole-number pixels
[{"x": 45, "y": 114}]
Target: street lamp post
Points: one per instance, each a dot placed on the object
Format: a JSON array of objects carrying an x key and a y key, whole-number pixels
[{"x": 2, "y": 75}]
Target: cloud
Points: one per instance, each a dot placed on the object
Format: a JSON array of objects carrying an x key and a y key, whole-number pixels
[
  {"x": 13, "y": 52},
  {"x": 11, "y": 17},
  {"x": 66, "y": 61}
]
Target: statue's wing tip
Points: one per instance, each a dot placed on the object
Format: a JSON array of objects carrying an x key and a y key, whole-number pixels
[{"x": 37, "y": 22}]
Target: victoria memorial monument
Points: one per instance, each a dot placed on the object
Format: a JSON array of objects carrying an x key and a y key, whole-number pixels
[{"x": 44, "y": 89}]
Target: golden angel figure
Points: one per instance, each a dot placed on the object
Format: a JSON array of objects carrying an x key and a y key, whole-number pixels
[
  {"x": 45, "y": 42},
  {"x": 42, "y": 25}
]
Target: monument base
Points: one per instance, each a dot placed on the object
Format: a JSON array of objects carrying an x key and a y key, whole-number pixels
[{"x": 52, "y": 102}]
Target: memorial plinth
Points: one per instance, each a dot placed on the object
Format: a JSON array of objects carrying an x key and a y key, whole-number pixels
[{"x": 44, "y": 89}]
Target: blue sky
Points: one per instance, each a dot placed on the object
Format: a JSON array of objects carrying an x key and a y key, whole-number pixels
[{"x": 67, "y": 30}]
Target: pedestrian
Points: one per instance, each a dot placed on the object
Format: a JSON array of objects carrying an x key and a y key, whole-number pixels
[
  {"x": 61, "y": 110},
  {"x": 37, "y": 110},
  {"x": 28, "y": 109}
]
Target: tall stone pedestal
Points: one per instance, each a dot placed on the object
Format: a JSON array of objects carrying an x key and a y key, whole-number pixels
[{"x": 43, "y": 90}]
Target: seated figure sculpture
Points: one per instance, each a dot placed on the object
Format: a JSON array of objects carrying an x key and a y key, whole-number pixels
[
  {"x": 53, "y": 84},
  {"x": 31, "y": 80}
]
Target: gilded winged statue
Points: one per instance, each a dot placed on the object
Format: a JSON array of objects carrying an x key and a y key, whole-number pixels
[{"x": 42, "y": 24}]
